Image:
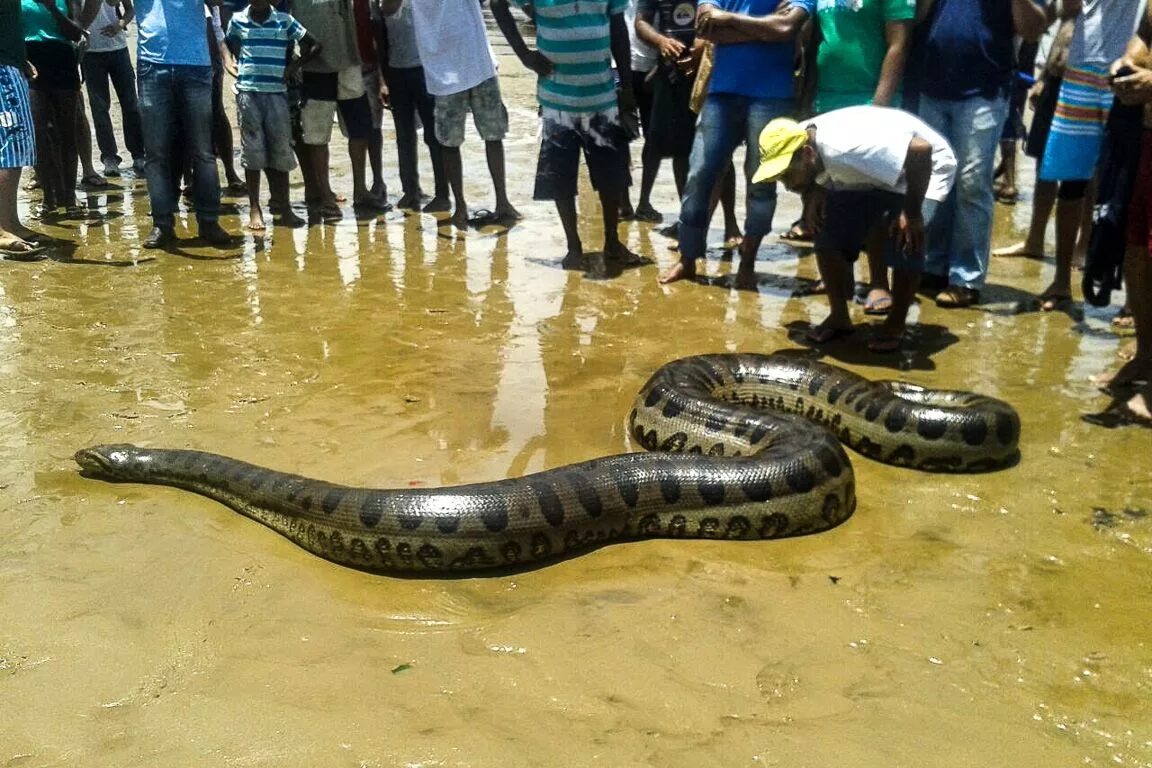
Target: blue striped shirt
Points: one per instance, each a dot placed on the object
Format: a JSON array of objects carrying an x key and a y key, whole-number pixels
[{"x": 263, "y": 49}]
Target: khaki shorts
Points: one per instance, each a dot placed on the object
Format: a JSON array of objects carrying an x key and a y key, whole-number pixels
[
  {"x": 318, "y": 114},
  {"x": 488, "y": 114}
]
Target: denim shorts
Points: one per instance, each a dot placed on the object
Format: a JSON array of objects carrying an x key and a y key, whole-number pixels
[
  {"x": 265, "y": 131},
  {"x": 487, "y": 108},
  {"x": 850, "y": 215},
  {"x": 604, "y": 144}
]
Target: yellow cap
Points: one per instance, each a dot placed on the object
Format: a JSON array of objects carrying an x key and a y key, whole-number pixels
[{"x": 778, "y": 142}]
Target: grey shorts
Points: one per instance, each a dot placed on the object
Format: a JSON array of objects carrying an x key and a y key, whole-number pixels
[
  {"x": 265, "y": 131},
  {"x": 488, "y": 114}
]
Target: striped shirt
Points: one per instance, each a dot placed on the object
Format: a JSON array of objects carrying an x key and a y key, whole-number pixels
[
  {"x": 263, "y": 49},
  {"x": 574, "y": 36}
]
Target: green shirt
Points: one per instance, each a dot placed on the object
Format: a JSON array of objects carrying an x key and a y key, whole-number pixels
[
  {"x": 39, "y": 23},
  {"x": 11, "y": 35},
  {"x": 853, "y": 47}
]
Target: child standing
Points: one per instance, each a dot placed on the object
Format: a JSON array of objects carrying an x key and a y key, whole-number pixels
[{"x": 262, "y": 41}]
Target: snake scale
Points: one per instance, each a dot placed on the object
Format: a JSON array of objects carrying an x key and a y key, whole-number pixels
[{"x": 740, "y": 446}]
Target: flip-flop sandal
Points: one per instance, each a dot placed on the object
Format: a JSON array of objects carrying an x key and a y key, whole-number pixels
[
  {"x": 822, "y": 334},
  {"x": 95, "y": 180},
  {"x": 650, "y": 215},
  {"x": 484, "y": 217},
  {"x": 1050, "y": 302},
  {"x": 886, "y": 345},
  {"x": 796, "y": 233},
  {"x": 880, "y": 305}
]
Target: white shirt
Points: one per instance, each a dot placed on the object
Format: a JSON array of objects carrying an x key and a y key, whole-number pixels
[
  {"x": 453, "y": 45},
  {"x": 97, "y": 42},
  {"x": 865, "y": 148}
]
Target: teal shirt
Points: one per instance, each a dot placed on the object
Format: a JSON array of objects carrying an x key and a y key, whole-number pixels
[
  {"x": 12, "y": 53},
  {"x": 574, "y": 35},
  {"x": 39, "y": 23}
]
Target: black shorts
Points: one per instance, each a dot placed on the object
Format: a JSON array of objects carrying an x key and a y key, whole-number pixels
[
  {"x": 673, "y": 126},
  {"x": 605, "y": 147},
  {"x": 57, "y": 68},
  {"x": 1042, "y": 118},
  {"x": 850, "y": 215}
]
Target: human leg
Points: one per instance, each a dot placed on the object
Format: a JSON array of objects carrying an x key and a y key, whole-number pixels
[
  {"x": 761, "y": 204},
  {"x": 426, "y": 108},
  {"x": 449, "y": 126},
  {"x": 556, "y": 168},
  {"x": 404, "y": 119},
  {"x": 124, "y": 82},
  {"x": 195, "y": 111},
  {"x": 720, "y": 130},
  {"x": 96, "y": 79},
  {"x": 491, "y": 119},
  {"x": 1069, "y": 214}
]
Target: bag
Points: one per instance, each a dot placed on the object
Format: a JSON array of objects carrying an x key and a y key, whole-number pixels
[
  {"x": 703, "y": 78},
  {"x": 1118, "y": 170}
]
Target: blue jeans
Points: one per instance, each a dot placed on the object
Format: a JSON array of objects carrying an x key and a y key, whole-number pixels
[
  {"x": 99, "y": 68},
  {"x": 726, "y": 120},
  {"x": 171, "y": 94},
  {"x": 960, "y": 235}
]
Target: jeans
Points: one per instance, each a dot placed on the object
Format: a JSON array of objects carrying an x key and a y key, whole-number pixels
[
  {"x": 725, "y": 121},
  {"x": 410, "y": 97},
  {"x": 116, "y": 66},
  {"x": 960, "y": 235},
  {"x": 171, "y": 94}
]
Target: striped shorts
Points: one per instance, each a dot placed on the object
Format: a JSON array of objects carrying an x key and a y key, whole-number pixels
[
  {"x": 17, "y": 138},
  {"x": 1074, "y": 141}
]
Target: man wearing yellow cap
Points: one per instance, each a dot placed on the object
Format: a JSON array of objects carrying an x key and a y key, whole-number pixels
[{"x": 884, "y": 171}]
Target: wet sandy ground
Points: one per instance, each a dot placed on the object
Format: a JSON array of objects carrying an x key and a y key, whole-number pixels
[{"x": 953, "y": 621}]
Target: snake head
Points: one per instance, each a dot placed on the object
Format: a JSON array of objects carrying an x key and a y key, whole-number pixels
[{"x": 114, "y": 462}]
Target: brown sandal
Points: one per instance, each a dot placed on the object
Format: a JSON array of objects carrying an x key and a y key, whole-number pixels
[{"x": 957, "y": 297}]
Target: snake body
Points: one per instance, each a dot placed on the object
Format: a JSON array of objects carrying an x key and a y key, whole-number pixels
[{"x": 740, "y": 447}]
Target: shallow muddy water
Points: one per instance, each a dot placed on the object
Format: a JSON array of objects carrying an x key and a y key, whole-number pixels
[{"x": 990, "y": 620}]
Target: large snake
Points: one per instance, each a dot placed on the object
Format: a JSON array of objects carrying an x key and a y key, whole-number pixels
[{"x": 742, "y": 447}]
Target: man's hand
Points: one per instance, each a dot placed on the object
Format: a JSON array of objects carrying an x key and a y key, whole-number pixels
[
  {"x": 1132, "y": 88},
  {"x": 671, "y": 48},
  {"x": 30, "y": 72},
  {"x": 537, "y": 62},
  {"x": 385, "y": 95},
  {"x": 909, "y": 233},
  {"x": 711, "y": 19}
]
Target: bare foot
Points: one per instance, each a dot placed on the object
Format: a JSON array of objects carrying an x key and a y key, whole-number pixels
[
  {"x": 1020, "y": 250},
  {"x": 619, "y": 253},
  {"x": 256, "y": 220},
  {"x": 733, "y": 240},
  {"x": 288, "y": 218},
  {"x": 1140, "y": 406},
  {"x": 678, "y": 271},
  {"x": 746, "y": 277},
  {"x": 1136, "y": 372},
  {"x": 438, "y": 205},
  {"x": 506, "y": 212},
  {"x": 460, "y": 218}
]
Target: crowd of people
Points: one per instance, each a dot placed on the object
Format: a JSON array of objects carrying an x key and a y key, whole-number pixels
[{"x": 885, "y": 116}]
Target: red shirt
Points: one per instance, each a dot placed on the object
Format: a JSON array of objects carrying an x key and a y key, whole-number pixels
[{"x": 365, "y": 33}]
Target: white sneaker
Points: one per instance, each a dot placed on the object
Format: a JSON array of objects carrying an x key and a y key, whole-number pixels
[{"x": 111, "y": 168}]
